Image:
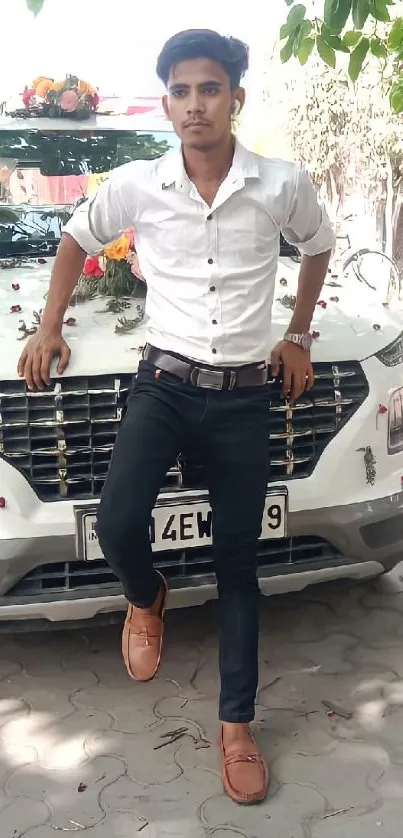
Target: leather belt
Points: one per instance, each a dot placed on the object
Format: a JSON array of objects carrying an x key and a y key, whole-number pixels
[{"x": 211, "y": 378}]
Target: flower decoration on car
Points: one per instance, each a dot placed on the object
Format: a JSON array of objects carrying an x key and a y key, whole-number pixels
[
  {"x": 115, "y": 273},
  {"x": 72, "y": 97}
]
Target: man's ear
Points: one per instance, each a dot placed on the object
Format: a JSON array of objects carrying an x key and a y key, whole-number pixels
[
  {"x": 240, "y": 97},
  {"x": 165, "y": 106}
]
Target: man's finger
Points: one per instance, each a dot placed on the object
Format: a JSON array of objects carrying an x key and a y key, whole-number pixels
[
  {"x": 64, "y": 358},
  {"x": 298, "y": 386},
  {"x": 275, "y": 363},
  {"x": 311, "y": 379},
  {"x": 287, "y": 379},
  {"x": 45, "y": 366},
  {"x": 36, "y": 371},
  {"x": 21, "y": 364},
  {"x": 28, "y": 374}
]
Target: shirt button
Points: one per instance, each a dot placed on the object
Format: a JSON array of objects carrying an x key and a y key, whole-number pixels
[
  {"x": 214, "y": 351},
  {"x": 209, "y": 217},
  {"x": 212, "y": 287},
  {"x": 214, "y": 322},
  {"x": 210, "y": 261}
]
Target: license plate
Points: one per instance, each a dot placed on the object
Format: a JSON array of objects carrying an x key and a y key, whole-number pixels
[{"x": 176, "y": 525}]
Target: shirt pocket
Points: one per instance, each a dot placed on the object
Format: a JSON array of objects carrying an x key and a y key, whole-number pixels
[{"x": 247, "y": 234}]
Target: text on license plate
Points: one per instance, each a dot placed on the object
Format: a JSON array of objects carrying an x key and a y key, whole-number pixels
[{"x": 181, "y": 526}]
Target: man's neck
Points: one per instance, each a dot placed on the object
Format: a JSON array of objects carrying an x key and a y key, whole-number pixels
[{"x": 211, "y": 166}]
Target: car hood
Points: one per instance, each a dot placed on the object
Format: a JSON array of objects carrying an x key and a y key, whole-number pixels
[{"x": 351, "y": 326}]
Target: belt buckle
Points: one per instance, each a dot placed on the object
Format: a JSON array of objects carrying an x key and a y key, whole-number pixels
[{"x": 208, "y": 379}]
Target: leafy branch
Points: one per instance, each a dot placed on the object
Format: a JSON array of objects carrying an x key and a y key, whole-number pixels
[
  {"x": 35, "y": 6},
  {"x": 357, "y": 28}
]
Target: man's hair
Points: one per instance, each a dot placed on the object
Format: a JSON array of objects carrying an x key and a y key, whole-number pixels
[{"x": 230, "y": 53}]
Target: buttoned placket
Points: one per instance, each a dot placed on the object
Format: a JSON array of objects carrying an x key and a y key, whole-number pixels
[{"x": 233, "y": 183}]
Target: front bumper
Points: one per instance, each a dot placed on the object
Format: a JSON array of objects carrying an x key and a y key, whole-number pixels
[{"x": 365, "y": 538}]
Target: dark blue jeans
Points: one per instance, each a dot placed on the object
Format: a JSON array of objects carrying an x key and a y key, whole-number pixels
[{"x": 229, "y": 432}]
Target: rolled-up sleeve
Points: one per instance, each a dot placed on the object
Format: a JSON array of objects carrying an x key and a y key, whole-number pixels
[
  {"x": 307, "y": 226},
  {"x": 99, "y": 221}
]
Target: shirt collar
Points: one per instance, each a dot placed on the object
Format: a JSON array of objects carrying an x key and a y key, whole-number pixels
[{"x": 172, "y": 174}]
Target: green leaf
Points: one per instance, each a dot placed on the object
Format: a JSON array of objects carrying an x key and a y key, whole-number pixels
[
  {"x": 328, "y": 11},
  {"x": 378, "y": 10},
  {"x": 336, "y": 14},
  {"x": 302, "y": 32},
  {"x": 336, "y": 42},
  {"x": 8, "y": 216},
  {"x": 378, "y": 48},
  {"x": 326, "y": 53},
  {"x": 396, "y": 96},
  {"x": 284, "y": 31},
  {"x": 289, "y": 2},
  {"x": 351, "y": 38},
  {"x": 35, "y": 6},
  {"x": 357, "y": 59},
  {"x": 296, "y": 16},
  {"x": 360, "y": 9},
  {"x": 286, "y": 51},
  {"x": 305, "y": 50},
  {"x": 396, "y": 35}
]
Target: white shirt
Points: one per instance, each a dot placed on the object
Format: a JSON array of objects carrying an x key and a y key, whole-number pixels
[{"x": 210, "y": 271}]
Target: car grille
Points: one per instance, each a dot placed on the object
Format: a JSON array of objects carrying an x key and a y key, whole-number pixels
[
  {"x": 61, "y": 439},
  {"x": 69, "y": 577}
]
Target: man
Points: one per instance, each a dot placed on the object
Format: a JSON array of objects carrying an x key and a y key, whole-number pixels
[{"x": 207, "y": 222}]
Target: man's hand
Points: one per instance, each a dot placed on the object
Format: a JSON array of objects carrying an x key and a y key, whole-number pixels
[
  {"x": 35, "y": 361},
  {"x": 297, "y": 368}
]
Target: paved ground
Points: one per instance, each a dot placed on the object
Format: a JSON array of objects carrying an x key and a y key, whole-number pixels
[{"x": 80, "y": 745}]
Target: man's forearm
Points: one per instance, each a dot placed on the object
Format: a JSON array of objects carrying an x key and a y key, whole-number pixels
[
  {"x": 310, "y": 283},
  {"x": 66, "y": 272}
]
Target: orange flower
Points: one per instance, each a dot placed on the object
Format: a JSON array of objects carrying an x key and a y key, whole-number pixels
[
  {"x": 86, "y": 89},
  {"x": 43, "y": 87},
  {"x": 118, "y": 249},
  {"x": 57, "y": 86},
  {"x": 39, "y": 79}
]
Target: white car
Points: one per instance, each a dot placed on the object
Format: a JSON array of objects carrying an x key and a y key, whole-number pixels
[{"x": 335, "y": 504}]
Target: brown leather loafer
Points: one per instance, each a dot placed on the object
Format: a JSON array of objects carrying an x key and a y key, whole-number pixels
[
  {"x": 142, "y": 640},
  {"x": 245, "y": 774}
]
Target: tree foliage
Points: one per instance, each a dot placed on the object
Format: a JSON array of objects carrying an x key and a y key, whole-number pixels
[
  {"x": 355, "y": 29},
  {"x": 352, "y": 144},
  {"x": 35, "y": 6}
]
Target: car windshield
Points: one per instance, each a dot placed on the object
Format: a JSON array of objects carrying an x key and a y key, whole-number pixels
[{"x": 44, "y": 174}]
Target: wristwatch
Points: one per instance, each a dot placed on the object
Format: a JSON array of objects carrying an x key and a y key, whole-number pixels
[{"x": 303, "y": 341}]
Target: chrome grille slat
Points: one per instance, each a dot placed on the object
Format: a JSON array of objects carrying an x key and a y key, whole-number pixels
[{"x": 62, "y": 439}]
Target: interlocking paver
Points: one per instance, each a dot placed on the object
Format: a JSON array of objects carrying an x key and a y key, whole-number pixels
[{"x": 79, "y": 741}]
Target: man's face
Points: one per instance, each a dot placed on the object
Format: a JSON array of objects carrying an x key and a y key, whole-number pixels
[{"x": 199, "y": 103}]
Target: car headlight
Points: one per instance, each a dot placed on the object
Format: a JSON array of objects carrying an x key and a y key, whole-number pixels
[
  {"x": 392, "y": 354},
  {"x": 395, "y": 425}
]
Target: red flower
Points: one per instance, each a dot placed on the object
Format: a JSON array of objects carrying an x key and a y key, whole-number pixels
[
  {"x": 315, "y": 335},
  {"x": 41, "y": 261},
  {"x": 94, "y": 101},
  {"x": 71, "y": 321},
  {"x": 334, "y": 299},
  {"x": 16, "y": 309},
  {"x": 92, "y": 267},
  {"x": 322, "y": 303},
  {"x": 15, "y": 286},
  {"x": 382, "y": 409},
  {"x": 29, "y": 92},
  {"x": 2, "y": 503}
]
